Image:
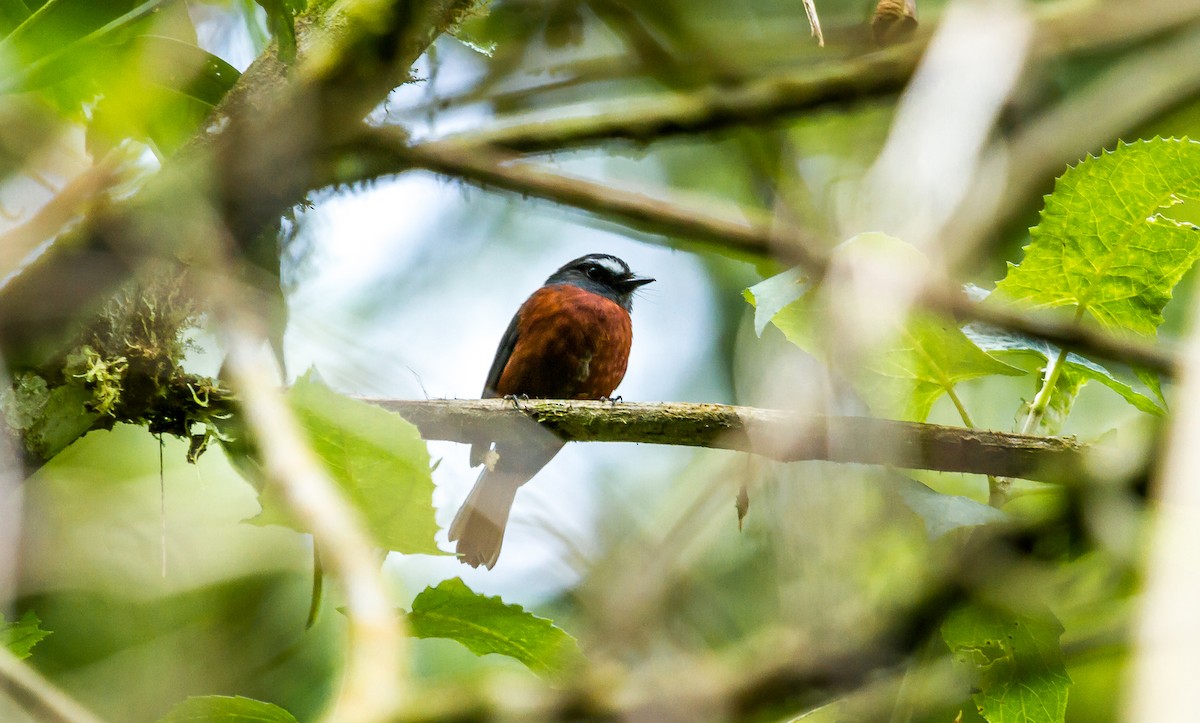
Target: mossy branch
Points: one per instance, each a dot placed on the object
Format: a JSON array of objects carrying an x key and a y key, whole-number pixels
[{"x": 780, "y": 435}]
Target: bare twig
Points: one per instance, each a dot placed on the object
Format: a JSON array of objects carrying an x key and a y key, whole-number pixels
[
  {"x": 37, "y": 695},
  {"x": 785, "y": 436},
  {"x": 372, "y": 685}
]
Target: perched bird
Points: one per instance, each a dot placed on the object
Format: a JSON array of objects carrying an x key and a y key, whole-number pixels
[{"x": 569, "y": 340}]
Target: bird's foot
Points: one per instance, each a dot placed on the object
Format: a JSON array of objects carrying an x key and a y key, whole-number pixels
[
  {"x": 516, "y": 400},
  {"x": 613, "y": 400}
]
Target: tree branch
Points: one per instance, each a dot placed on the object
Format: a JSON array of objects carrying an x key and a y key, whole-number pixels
[
  {"x": 741, "y": 229},
  {"x": 780, "y": 435},
  {"x": 713, "y": 107},
  {"x": 1062, "y": 28}
]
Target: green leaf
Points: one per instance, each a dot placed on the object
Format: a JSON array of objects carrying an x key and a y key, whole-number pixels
[
  {"x": 20, "y": 636},
  {"x": 166, "y": 106},
  {"x": 1140, "y": 389},
  {"x": 65, "y": 37},
  {"x": 487, "y": 625},
  {"x": 12, "y": 14},
  {"x": 282, "y": 22},
  {"x": 1105, "y": 245},
  {"x": 376, "y": 457},
  {"x": 1062, "y": 400},
  {"x": 770, "y": 296},
  {"x": 226, "y": 709},
  {"x": 929, "y": 358},
  {"x": 943, "y": 513},
  {"x": 925, "y": 359},
  {"x": 1016, "y": 660}
]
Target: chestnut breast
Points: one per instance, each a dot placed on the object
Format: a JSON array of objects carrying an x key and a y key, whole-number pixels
[{"x": 571, "y": 344}]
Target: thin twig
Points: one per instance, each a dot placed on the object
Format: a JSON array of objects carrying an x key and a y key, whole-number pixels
[
  {"x": 770, "y": 99},
  {"x": 373, "y": 683},
  {"x": 39, "y": 696},
  {"x": 785, "y": 436}
]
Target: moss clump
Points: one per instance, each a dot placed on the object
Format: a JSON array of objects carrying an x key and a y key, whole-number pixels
[{"x": 126, "y": 366}]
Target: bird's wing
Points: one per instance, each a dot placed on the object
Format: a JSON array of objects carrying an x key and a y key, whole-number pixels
[{"x": 508, "y": 342}]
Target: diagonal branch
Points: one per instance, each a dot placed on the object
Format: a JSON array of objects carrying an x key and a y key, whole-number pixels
[
  {"x": 37, "y": 695},
  {"x": 373, "y": 682},
  {"x": 714, "y": 107},
  {"x": 382, "y": 151},
  {"x": 780, "y": 435}
]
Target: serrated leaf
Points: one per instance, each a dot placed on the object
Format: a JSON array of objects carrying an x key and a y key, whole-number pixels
[
  {"x": 226, "y": 709},
  {"x": 20, "y": 636},
  {"x": 487, "y": 625},
  {"x": 943, "y": 513},
  {"x": 377, "y": 458},
  {"x": 926, "y": 358},
  {"x": 1016, "y": 660},
  {"x": 1105, "y": 245}
]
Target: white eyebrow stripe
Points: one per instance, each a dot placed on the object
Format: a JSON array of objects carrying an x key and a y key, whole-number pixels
[{"x": 611, "y": 264}]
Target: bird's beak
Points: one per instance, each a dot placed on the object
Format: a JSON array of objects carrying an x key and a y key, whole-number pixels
[{"x": 633, "y": 282}]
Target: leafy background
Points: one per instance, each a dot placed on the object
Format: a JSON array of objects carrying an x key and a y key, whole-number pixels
[{"x": 401, "y": 287}]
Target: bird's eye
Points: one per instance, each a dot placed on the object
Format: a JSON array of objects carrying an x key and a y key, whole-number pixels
[{"x": 593, "y": 273}]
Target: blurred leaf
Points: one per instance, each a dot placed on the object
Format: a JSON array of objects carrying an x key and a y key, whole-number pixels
[
  {"x": 770, "y": 296},
  {"x": 187, "y": 69},
  {"x": 943, "y": 513},
  {"x": 66, "y": 37},
  {"x": 1016, "y": 660},
  {"x": 930, "y": 356},
  {"x": 927, "y": 357},
  {"x": 178, "y": 86},
  {"x": 1104, "y": 244},
  {"x": 226, "y": 709},
  {"x": 60, "y": 22},
  {"x": 12, "y": 14},
  {"x": 376, "y": 457},
  {"x": 281, "y": 20},
  {"x": 151, "y": 80},
  {"x": 20, "y": 636},
  {"x": 487, "y": 625}
]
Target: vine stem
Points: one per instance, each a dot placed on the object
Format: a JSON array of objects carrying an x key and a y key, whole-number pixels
[
  {"x": 998, "y": 487},
  {"x": 1037, "y": 409},
  {"x": 962, "y": 409}
]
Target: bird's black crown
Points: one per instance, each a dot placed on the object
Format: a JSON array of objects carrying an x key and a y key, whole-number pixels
[{"x": 602, "y": 274}]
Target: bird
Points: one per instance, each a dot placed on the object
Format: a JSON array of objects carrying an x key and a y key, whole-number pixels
[{"x": 569, "y": 340}]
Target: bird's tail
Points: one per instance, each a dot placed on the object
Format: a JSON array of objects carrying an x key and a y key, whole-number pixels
[{"x": 479, "y": 525}]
